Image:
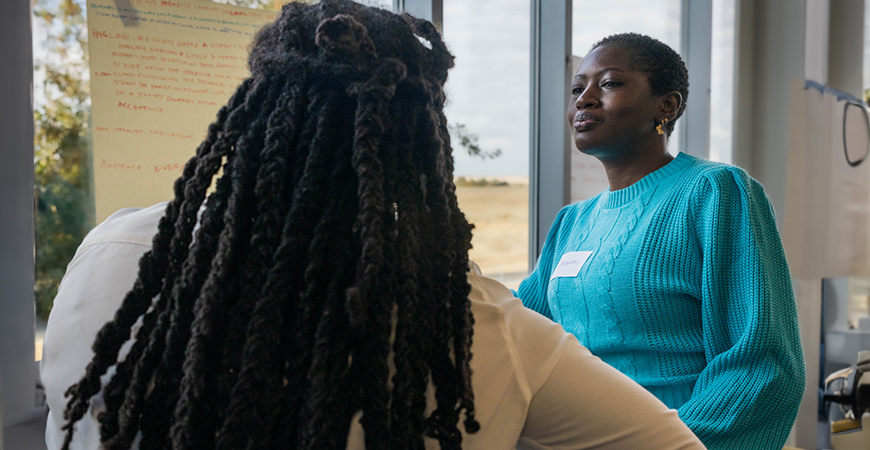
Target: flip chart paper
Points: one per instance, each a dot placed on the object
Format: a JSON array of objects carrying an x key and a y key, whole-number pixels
[{"x": 160, "y": 71}]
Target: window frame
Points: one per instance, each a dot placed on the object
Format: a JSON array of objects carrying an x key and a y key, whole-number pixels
[
  {"x": 19, "y": 374},
  {"x": 696, "y": 43},
  {"x": 549, "y": 138}
]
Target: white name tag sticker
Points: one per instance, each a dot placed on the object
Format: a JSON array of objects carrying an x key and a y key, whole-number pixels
[{"x": 570, "y": 264}]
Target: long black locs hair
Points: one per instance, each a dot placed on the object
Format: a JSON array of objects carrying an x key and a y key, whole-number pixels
[{"x": 329, "y": 254}]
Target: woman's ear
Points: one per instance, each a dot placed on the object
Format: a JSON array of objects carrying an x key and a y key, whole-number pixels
[{"x": 670, "y": 104}]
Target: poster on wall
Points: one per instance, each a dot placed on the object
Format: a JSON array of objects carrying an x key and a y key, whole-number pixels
[
  {"x": 827, "y": 216},
  {"x": 160, "y": 71}
]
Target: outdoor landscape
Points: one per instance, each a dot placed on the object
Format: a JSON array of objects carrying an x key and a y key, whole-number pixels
[{"x": 499, "y": 210}]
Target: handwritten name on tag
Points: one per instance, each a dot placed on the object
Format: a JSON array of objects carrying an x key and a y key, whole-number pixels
[{"x": 570, "y": 264}]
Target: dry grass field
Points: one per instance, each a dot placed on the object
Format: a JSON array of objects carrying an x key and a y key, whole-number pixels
[{"x": 500, "y": 215}]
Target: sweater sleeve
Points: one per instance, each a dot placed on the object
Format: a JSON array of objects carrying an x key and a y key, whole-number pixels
[
  {"x": 748, "y": 395},
  {"x": 533, "y": 290}
]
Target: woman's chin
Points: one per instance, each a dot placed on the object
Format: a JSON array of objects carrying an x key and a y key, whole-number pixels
[{"x": 586, "y": 149}]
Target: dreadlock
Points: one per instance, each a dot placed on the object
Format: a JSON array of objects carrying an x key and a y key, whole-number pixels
[{"x": 330, "y": 250}]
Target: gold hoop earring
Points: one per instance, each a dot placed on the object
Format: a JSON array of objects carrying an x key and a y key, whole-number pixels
[{"x": 659, "y": 127}]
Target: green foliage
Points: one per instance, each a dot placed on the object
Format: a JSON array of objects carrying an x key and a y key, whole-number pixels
[{"x": 63, "y": 193}]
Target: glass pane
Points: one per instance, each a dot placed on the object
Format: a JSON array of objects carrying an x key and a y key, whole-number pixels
[
  {"x": 63, "y": 195},
  {"x": 722, "y": 81},
  {"x": 63, "y": 168},
  {"x": 488, "y": 106},
  {"x": 859, "y": 300},
  {"x": 385, "y": 4},
  {"x": 595, "y": 19}
]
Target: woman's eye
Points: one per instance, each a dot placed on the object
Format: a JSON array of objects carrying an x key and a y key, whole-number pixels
[
  {"x": 610, "y": 84},
  {"x": 576, "y": 90}
]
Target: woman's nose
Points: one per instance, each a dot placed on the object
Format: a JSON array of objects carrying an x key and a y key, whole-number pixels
[{"x": 586, "y": 99}]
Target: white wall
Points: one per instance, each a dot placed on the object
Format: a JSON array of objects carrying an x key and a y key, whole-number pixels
[{"x": 779, "y": 40}]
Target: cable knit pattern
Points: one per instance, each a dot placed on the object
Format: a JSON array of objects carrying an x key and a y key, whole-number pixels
[{"x": 687, "y": 291}]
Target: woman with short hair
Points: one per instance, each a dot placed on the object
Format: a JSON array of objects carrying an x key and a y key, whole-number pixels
[{"x": 676, "y": 275}]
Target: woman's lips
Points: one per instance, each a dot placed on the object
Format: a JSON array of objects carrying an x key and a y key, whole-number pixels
[{"x": 584, "y": 122}]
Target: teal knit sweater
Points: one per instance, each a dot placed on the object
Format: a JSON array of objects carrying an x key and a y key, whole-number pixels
[{"x": 680, "y": 282}]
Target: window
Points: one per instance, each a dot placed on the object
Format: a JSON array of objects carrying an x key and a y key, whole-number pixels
[
  {"x": 722, "y": 80},
  {"x": 385, "y": 4},
  {"x": 62, "y": 172},
  {"x": 488, "y": 109},
  {"x": 595, "y": 19}
]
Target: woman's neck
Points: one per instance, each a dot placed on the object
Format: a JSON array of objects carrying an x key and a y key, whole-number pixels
[{"x": 624, "y": 172}]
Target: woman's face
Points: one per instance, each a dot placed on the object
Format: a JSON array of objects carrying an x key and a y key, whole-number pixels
[{"x": 612, "y": 110}]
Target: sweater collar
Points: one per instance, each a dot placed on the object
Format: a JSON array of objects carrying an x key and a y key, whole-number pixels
[{"x": 615, "y": 199}]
